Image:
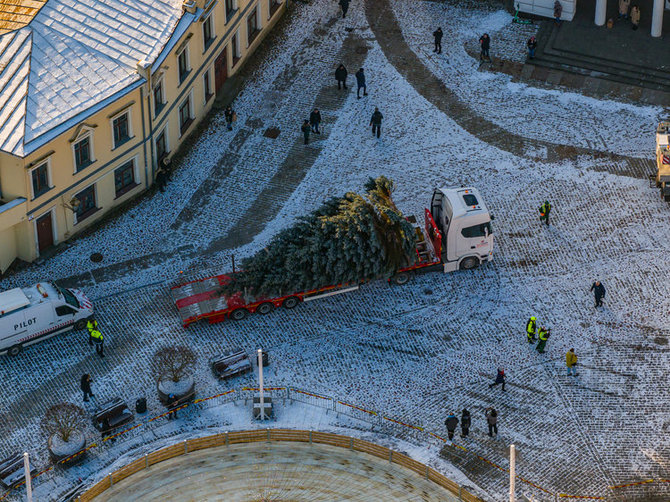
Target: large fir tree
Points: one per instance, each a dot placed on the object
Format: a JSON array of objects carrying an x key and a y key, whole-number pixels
[{"x": 347, "y": 239}]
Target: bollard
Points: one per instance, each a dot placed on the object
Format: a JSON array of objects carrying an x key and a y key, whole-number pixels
[
  {"x": 426, "y": 472},
  {"x": 227, "y": 444},
  {"x": 110, "y": 480},
  {"x": 460, "y": 493},
  {"x": 310, "y": 436},
  {"x": 185, "y": 446},
  {"x": 390, "y": 456},
  {"x": 351, "y": 444},
  {"x": 268, "y": 431},
  {"x": 146, "y": 461}
]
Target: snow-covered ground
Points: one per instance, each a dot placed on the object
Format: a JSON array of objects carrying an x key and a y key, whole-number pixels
[{"x": 432, "y": 346}]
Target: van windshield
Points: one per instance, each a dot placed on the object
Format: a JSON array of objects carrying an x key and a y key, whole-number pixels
[{"x": 69, "y": 297}]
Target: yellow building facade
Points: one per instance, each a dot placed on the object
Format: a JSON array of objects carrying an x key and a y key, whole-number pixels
[{"x": 64, "y": 167}]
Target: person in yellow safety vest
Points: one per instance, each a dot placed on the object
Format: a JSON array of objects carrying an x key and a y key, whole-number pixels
[
  {"x": 91, "y": 324},
  {"x": 571, "y": 362},
  {"x": 531, "y": 326},
  {"x": 543, "y": 335},
  {"x": 95, "y": 336},
  {"x": 545, "y": 209}
]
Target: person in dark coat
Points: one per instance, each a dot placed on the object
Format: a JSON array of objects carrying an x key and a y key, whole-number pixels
[
  {"x": 230, "y": 115},
  {"x": 360, "y": 82},
  {"x": 166, "y": 165},
  {"x": 500, "y": 378},
  {"x": 306, "y": 129},
  {"x": 558, "y": 12},
  {"x": 345, "y": 7},
  {"x": 171, "y": 406},
  {"x": 85, "y": 385},
  {"x": 492, "y": 420},
  {"x": 451, "y": 422},
  {"x": 341, "y": 76},
  {"x": 161, "y": 179},
  {"x": 315, "y": 120},
  {"x": 376, "y": 122},
  {"x": 532, "y": 45},
  {"x": 484, "y": 44},
  {"x": 465, "y": 423},
  {"x": 598, "y": 292},
  {"x": 437, "y": 34}
]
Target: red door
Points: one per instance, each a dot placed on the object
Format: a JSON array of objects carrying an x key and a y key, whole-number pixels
[
  {"x": 45, "y": 235},
  {"x": 221, "y": 69}
]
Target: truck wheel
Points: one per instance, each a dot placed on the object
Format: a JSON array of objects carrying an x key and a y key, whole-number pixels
[
  {"x": 469, "y": 263},
  {"x": 14, "y": 350},
  {"x": 80, "y": 324},
  {"x": 265, "y": 308},
  {"x": 239, "y": 314},
  {"x": 401, "y": 279},
  {"x": 291, "y": 302}
]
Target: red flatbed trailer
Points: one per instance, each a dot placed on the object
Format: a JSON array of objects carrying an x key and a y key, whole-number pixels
[{"x": 202, "y": 299}]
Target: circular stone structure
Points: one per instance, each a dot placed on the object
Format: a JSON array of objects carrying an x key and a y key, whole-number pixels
[{"x": 276, "y": 472}]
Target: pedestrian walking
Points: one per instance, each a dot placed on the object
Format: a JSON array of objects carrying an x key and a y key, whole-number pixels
[
  {"x": 542, "y": 335},
  {"x": 571, "y": 362},
  {"x": 91, "y": 324},
  {"x": 437, "y": 34},
  {"x": 306, "y": 130},
  {"x": 360, "y": 83},
  {"x": 166, "y": 164},
  {"x": 341, "y": 76},
  {"x": 95, "y": 335},
  {"x": 624, "y": 5},
  {"x": 558, "y": 12},
  {"x": 532, "y": 45},
  {"x": 315, "y": 120},
  {"x": 484, "y": 44},
  {"x": 500, "y": 379},
  {"x": 85, "y": 385},
  {"x": 531, "y": 328},
  {"x": 376, "y": 122},
  {"x": 345, "y": 7},
  {"x": 451, "y": 422},
  {"x": 465, "y": 423},
  {"x": 171, "y": 406},
  {"x": 492, "y": 420},
  {"x": 545, "y": 209},
  {"x": 161, "y": 179},
  {"x": 598, "y": 293},
  {"x": 230, "y": 115},
  {"x": 635, "y": 16}
]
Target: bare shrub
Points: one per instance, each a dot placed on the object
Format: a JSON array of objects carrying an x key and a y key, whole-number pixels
[
  {"x": 63, "y": 419},
  {"x": 173, "y": 362}
]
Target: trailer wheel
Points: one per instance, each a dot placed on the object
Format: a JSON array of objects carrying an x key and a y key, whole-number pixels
[
  {"x": 469, "y": 263},
  {"x": 291, "y": 302},
  {"x": 14, "y": 350},
  {"x": 265, "y": 308},
  {"x": 80, "y": 324},
  {"x": 401, "y": 279},
  {"x": 239, "y": 314}
]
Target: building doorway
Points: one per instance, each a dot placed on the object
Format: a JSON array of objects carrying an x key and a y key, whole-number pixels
[
  {"x": 45, "y": 233},
  {"x": 221, "y": 69}
]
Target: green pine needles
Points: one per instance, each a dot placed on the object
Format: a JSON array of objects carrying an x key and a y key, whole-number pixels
[{"x": 349, "y": 239}]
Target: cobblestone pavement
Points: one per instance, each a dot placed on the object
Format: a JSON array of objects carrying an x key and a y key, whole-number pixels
[{"x": 418, "y": 351}]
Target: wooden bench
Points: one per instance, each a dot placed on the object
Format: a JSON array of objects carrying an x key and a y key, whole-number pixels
[
  {"x": 12, "y": 471},
  {"x": 112, "y": 414},
  {"x": 229, "y": 364}
]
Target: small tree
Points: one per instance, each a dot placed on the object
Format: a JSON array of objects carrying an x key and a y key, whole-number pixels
[
  {"x": 173, "y": 362},
  {"x": 63, "y": 419}
]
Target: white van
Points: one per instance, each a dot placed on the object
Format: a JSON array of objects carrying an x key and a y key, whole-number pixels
[{"x": 29, "y": 315}]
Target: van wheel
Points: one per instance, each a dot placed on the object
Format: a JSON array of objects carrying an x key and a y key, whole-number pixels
[
  {"x": 265, "y": 308},
  {"x": 15, "y": 350},
  {"x": 469, "y": 263},
  {"x": 291, "y": 302},
  {"x": 401, "y": 279},
  {"x": 239, "y": 314},
  {"x": 80, "y": 324}
]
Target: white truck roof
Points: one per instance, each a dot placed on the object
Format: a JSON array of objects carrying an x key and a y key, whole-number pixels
[
  {"x": 12, "y": 299},
  {"x": 465, "y": 201}
]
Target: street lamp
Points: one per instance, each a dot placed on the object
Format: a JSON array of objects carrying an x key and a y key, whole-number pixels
[{"x": 73, "y": 205}]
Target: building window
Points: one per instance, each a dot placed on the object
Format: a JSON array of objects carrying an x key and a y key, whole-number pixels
[
  {"x": 86, "y": 203},
  {"x": 185, "y": 115},
  {"x": 121, "y": 128},
  {"x": 40, "y": 176},
  {"x": 208, "y": 31},
  {"x": 207, "y": 84},
  {"x": 253, "y": 26},
  {"x": 231, "y": 8},
  {"x": 273, "y": 6},
  {"x": 124, "y": 178},
  {"x": 162, "y": 145},
  {"x": 82, "y": 153},
  {"x": 235, "y": 47},
  {"x": 184, "y": 68},
  {"x": 159, "y": 97}
]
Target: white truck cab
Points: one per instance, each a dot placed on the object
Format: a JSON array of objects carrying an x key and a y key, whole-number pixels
[
  {"x": 29, "y": 315},
  {"x": 465, "y": 223}
]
